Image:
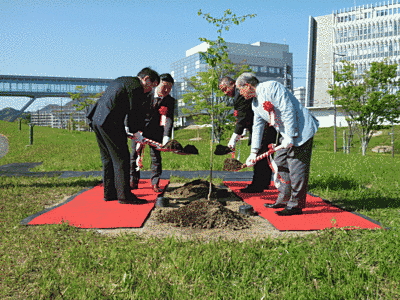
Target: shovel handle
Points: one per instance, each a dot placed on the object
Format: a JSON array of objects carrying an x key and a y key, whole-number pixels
[
  {"x": 265, "y": 154},
  {"x": 147, "y": 141}
]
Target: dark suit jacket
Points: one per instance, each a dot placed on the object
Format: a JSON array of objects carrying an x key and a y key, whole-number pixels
[
  {"x": 153, "y": 130},
  {"x": 124, "y": 97},
  {"x": 244, "y": 118}
]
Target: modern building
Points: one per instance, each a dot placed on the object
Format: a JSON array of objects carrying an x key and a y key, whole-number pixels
[
  {"x": 300, "y": 94},
  {"x": 57, "y": 116},
  {"x": 359, "y": 34},
  {"x": 269, "y": 61}
]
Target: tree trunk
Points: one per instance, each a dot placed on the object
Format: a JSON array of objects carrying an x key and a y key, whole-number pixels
[{"x": 364, "y": 145}]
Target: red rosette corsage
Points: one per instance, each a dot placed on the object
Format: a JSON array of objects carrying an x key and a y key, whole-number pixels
[
  {"x": 268, "y": 106},
  {"x": 235, "y": 113},
  {"x": 163, "y": 110}
]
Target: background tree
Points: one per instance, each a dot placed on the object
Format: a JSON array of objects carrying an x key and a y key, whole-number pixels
[
  {"x": 369, "y": 102},
  {"x": 202, "y": 97},
  {"x": 206, "y": 100},
  {"x": 207, "y": 103},
  {"x": 82, "y": 102}
]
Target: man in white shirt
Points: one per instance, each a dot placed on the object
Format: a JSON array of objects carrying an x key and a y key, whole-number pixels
[{"x": 276, "y": 105}]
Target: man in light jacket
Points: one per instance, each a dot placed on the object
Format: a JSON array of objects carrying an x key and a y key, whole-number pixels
[{"x": 276, "y": 105}]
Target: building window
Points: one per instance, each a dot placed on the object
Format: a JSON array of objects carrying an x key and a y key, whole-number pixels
[
  {"x": 254, "y": 68},
  {"x": 197, "y": 64}
]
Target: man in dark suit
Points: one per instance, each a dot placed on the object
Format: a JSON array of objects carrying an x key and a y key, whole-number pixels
[
  {"x": 124, "y": 98},
  {"x": 244, "y": 120},
  {"x": 159, "y": 123}
]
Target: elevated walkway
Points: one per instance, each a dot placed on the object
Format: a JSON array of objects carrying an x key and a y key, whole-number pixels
[{"x": 44, "y": 86}]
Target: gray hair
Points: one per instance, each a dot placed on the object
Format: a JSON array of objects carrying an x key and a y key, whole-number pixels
[{"x": 247, "y": 78}]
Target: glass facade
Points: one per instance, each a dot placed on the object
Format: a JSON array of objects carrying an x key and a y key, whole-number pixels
[
  {"x": 191, "y": 65},
  {"x": 359, "y": 35},
  {"x": 367, "y": 33},
  {"x": 183, "y": 69}
]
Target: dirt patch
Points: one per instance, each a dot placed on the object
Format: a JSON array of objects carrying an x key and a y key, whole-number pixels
[
  {"x": 193, "y": 209},
  {"x": 190, "y": 216},
  {"x": 204, "y": 213}
]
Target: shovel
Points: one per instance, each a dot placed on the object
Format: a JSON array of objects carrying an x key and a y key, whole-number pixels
[
  {"x": 231, "y": 164},
  {"x": 172, "y": 146}
]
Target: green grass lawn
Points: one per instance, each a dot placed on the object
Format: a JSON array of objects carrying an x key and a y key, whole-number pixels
[{"x": 63, "y": 262}]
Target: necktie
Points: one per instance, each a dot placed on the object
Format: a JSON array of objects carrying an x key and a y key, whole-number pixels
[{"x": 157, "y": 100}]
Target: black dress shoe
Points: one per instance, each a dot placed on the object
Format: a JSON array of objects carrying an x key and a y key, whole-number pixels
[
  {"x": 132, "y": 201},
  {"x": 157, "y": 188},
  {"x": 252, "y": 189},
  {"x": 109, "y": 199},
  {"x": 290, "y": 211},
  {"x": 275, "y": 205},
  {"x": 134, "y": 185}
]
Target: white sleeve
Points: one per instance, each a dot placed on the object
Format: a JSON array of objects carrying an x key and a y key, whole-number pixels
[{"x": 258, "y": 129}]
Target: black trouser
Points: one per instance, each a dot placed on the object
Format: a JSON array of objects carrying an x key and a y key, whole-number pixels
[
  {"x": 114, "y": 153},
  {"x": 156, "y": 166},
  {"x": 262, "y": 171}
]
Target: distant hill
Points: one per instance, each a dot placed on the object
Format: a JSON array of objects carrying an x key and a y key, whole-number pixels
[{"x": 7, "y": 113}]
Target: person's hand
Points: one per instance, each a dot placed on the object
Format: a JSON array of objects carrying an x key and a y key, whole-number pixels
[
  {"x": 251, "y": 160},
  {"x": 287, "y": 142},
  {"x": 138, "y": 137},
  {"x": 165, "y": 140},
  {"x": 234, "y": 138}
]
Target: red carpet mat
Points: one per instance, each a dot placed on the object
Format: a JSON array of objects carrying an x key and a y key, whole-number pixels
[
  {"x": 317, "y": 215},
  {"x": 88, "y": 209}
]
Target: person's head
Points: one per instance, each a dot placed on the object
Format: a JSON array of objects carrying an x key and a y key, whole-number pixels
[
  {"x": 247, "y": 83},
  {"x": 165, "y": 86},
  {"x": 148, "y": 78},
  {"x": 227, "y": 86}
]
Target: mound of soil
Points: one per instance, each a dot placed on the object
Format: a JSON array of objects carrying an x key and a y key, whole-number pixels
[
  {"x": 222, "y": 150},
  {"x": 197, "y": 211},
  {"x": 173, "y": 145},
  {"x": 231, "y": 164},
  {"x": 190, "y": 149},
  {"x": 197, "y": 189},
  {"x": 204, "y": 214}
]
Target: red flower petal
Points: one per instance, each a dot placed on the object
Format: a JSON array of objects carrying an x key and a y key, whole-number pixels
[
  {"x": 268, "y": 106},
  {"x": 163, "y": 110}
]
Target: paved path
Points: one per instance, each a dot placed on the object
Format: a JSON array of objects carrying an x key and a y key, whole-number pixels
[{"x": 23, "y": 169}]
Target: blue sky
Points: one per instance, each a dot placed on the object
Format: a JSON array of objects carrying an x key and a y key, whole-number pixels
[{"x": 111, "y": 38}]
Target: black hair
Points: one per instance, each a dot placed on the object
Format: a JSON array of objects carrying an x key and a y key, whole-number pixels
[
  {"x": 226, "y": 80},
  {"x": 254, "y": 81},
  {"x": 167, "y": 77},
  {"x": 153, "y": 75}
]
